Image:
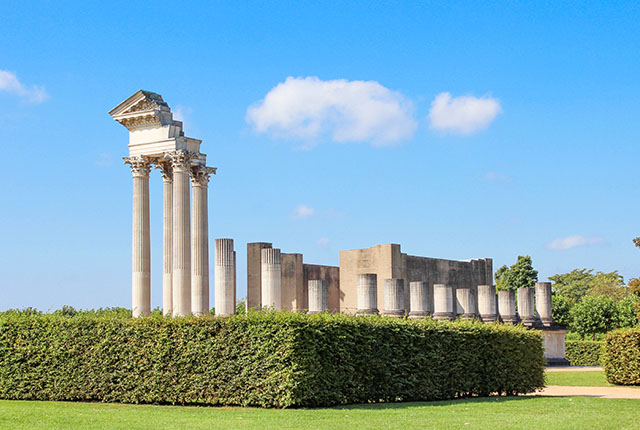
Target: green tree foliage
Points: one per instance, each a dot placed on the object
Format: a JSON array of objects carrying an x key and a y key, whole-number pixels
[
  {"x": 521, "y": 274},
  {"x": 627, "y": 307},
  {"x": 561, "y": 310},
  {"x": 608, "y": 284},
  {"x": 594, "y": 314},
  {"x": 241, "y": 307},
  {"x": 583, "y": 282}
]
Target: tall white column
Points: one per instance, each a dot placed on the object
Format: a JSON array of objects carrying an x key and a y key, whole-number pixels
[
  {"x": 181, "y": 270},
  {"x": 271, "y": 274},
  {"x": 443, "y": 306},
  {"x": 487, "y": 303},
  {"x": 419, "y": 299},
  {"x": 141, "y": 244},
  {"x": 526, "y": 306},
  {"x": 318, "y": 290},
  {"x": 543, "y": 303},
  {"x": 167, "y": 237},
  {"x": 393, "y": 298},
  {"x": 200, "y": 253},
  {"x": 225, "y": 278},
  {"x": 367, "y": 288}
]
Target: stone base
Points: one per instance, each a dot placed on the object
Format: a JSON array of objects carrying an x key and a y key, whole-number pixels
[
  {"x": 443, "y": 316},
  {"x": 529, "y": 322},
  {"x": 489, "y": 319},
  {"x": 547, "y": 322},
  {"x": 313, "y": 312},
  {"x": 510, "y": 319},
  {"x": 417, "y": 315},
  {"x": 554, "y": 351},
  {"x": 468, "y": 316},
  {"x": 394, "y": 314},
  {"x": 367, "y": 312}
]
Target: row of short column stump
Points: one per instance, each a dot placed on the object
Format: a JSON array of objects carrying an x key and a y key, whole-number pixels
[{"x": 441, "y": 303}]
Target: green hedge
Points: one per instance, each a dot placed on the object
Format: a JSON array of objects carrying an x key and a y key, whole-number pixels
[
  {"x": 621, "y": 358},
  {"x": 269, "y": 359},
  {"x": 584, "y": 352}
]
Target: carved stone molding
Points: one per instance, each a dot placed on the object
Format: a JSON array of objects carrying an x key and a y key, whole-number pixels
[
  {"x": 200, "y": 175},
  {"x": 140, "y": 165}
]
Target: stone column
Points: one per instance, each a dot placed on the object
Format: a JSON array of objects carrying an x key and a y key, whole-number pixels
[
  {"x": 167, "y": 237},
  {"x": 487, "y": 303},
  {"x": 318, "y": 296},
  {"x": 367, "y": 288},
  {"x": 465, "y": 302},
  {"x": 393, "y": 298},
  {"x": 418, "y": 299},
  {"x": 443, "y": 302},
  {"x": 181, "y": 270},
  {"x": 200, "y": 245},
  {"x": 543, "y": 303},
  {"x": 225, "y": 278},
  {"x": 526, "y": 306},
  {"x": 271, "y": 278},
  {"x": 507, "y": 307},
  {"x": 141, "y": 242}
]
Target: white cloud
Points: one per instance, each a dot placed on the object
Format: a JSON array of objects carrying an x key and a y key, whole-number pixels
[
  {"x": 310, "y": 109},
  {"x": 497, "y": 176},
  {"x": 182, "y": 113},
  {"x": 569, "y": 242},
  {"x": 323, "y": 242},
  {"x": 9, "y": 83},
  {"x": 303, "y": 211},
  {"x": 462, "y": 115}
]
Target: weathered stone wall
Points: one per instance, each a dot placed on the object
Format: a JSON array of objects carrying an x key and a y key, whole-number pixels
[
  {"x": 331, "y": 274},
  {"x": 388, "y": 261},
  {"x": 254, "y": 276}
]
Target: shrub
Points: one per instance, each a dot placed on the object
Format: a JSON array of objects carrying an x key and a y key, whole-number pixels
[
  {"x": 269, "y": 359},
  {"x": 621, "y": 357},
  {"x": 594, "y": 314},
  {"x": 584, "y": 352}
]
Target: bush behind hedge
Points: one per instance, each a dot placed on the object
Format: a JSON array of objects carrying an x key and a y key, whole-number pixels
[
  {"x": 584, "y": 352},
  {"x": 269, "y": 359},
  {"x": 621, "y": 359}
]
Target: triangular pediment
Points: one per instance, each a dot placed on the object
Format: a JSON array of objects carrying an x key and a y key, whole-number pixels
[{"x": 141, "y": 101}]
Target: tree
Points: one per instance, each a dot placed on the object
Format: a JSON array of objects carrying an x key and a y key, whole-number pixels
[
  {"x": 627, "y": 307},
  {"x": 608, "y": 284},
  {"x": 594, "y": 314},
  {"x": 573, "y": 286},
  {"x": 561, "y": 310},
  {"x": 521, "y": 274}
]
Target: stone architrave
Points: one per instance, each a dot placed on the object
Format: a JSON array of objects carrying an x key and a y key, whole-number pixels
[
  {"x": 393, "y": 298},
  {"x": 443, "y": 302},
  {"x": 465, "y": 303},
  {"x": 167, "y": 237},
  {"x": 225, "y": 278},
  {"x": 507, "y": 306},
  {"x": 200, "y": 244},
  {"x": 141, "y": 243},
  {"x": 526, "y": 306},
  {"x": 543, "y": 303},
  {"x": 367, "y": 287},
  {"x": 487, "y": 303},
  {"x": 318, "y": 290},
  {"x": 419, "y": 299},
  {"x": 271, "y": 278}
]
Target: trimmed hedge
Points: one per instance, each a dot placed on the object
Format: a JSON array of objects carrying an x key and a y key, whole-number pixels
[
  {"x": 584, "y": 352},
  {"x": 268, "y": 359},
  {"x": 621, "y": 358}
]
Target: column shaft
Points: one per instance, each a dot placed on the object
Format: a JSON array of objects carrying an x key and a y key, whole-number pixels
[
  {"x": 271, "y": 278},
  {"x": 526, "y": 306},
  {"x": 181, "y": 271},
  {"x": 465, "y": 303},
  {"x": 394, "y": 297},
  {"x": 200, "y": 273},
  {"x": 367, "y": 289},
  {"x": 419, "y": 299},
  {"x": 507, "y": 307},
  {"x": 487, "y": 303},
  {"x": 167, "y": 240},
  {"x": 318, "y": 291},
  {"x": 443, "y": 302},
  {"x": 543, "y": 303},
  {"x": 225, "y": 278}
]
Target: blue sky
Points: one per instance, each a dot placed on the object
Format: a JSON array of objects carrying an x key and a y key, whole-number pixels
[{"x": 534, "y": 152}]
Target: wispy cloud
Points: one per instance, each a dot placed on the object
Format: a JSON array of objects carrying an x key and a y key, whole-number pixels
[
  {"x": 105, "y": 159},
  {"x": 9, "y": 83},
  {"x": 183, "y": 113},
  {"x": 303, "y": 211},
  {"x": 497, "y": 177},
  {"x": 569, "y": 242},
  {"x": 464, "y": 115},
  {"x": 310, "y": 109},
  {"x": 323, "y": 242}
]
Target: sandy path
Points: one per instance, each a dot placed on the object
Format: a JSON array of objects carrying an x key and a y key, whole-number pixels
[{"x": 602, "y": 392}]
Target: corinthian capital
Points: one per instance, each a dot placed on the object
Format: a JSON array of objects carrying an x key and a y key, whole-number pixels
[
  {"x": 180, "y": 159},
  {"x": 165, "y": 170},
  {"x": 140, "y": 165},
  {"x": 200, "y": 175}
]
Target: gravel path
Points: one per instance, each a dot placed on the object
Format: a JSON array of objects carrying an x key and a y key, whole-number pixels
[{"x": 602, "y": 392}]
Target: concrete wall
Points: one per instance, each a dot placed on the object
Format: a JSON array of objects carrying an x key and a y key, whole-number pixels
[
  {"x": 292, "y": 282},
  {"x": 388, "y": 261},
  {"x": 331, "y": 274},
  {"x": 254, "y": 273}
]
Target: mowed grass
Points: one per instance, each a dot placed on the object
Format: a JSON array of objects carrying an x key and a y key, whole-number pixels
[
  {"x": 588, "y": 378},
  {"x": 484, "y": 413}
]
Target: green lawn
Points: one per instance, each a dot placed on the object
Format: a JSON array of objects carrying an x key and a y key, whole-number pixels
[
  {"x": 486, "y": 413},
  {"x": 591, "y": 378}
]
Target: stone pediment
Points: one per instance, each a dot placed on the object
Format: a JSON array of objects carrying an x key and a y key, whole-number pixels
[{"x": 143, "y": 109}]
